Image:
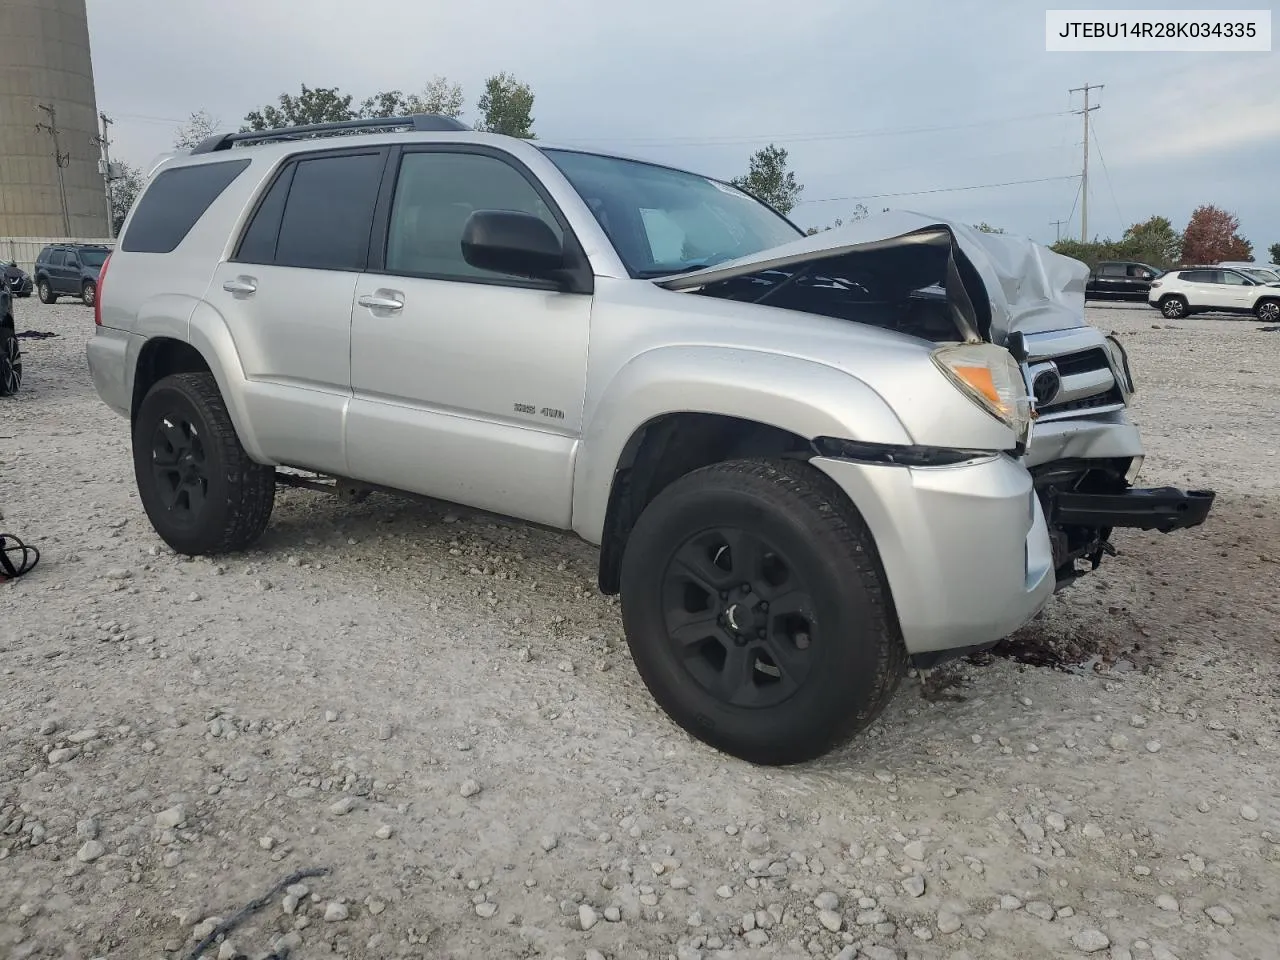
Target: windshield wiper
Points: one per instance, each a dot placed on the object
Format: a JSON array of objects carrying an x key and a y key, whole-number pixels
[{"x": 687, "y": 268}]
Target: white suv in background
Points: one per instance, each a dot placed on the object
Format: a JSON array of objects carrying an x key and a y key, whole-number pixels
[{"x": 1180, "y": 293}]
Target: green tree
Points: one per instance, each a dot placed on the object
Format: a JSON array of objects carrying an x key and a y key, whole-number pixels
[
  {"x": 198, "y": 126},
  {"x": 985, "y": 227},
  {"x": 1153, "y": 241},
  {"x": 769, "y": 179},
  {"x": 124, "y": 191},
  {"x": 1212, "y": 235},
  {"x": 312, "y": 105},
  {"x": 506, "y": 107},
  {"x": 440, "y": 96},
  {"x": 1274, "y": 252}
]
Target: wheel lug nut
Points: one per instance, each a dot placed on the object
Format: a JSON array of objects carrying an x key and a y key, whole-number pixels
[{"x": 764, "y": 606}]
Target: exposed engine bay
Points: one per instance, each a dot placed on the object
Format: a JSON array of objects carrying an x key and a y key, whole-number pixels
[{"x": 912, "y": 289}]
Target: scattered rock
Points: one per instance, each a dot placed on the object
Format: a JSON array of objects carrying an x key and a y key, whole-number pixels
[
  {"x": 90, "y": 851},
  {"x": 1009, "y": 902},
  {"x": 1092, "y": 831},
  {"x": 486, "y": 909},
  {"x": 336, "y": 912},
  {"x": 724, "y": 892},
  {"x": 172, "y": 818},
  {"x": 1118, "y": 741},
  {"x": 756, "y": 841},
  {"x": 914, "y": 886},
  {"x": 948, "y": 922},
  {"x": 914, "y": 850},
  {"x": 1153, "y": 746},
  {"x": 1248, "y": 813},
  {"x": 587, "y": 916},
  {"x": 62, "y": 755},
  {"x": 469, "y": 788},
  {"x": 831, "y": 920},
  {"x": 1167, "y": 902},
  {"x": 613, "y": 914},
  {"x": 344, "y": 806},
  {"x": 1220, "y": 915},
  {"x": 1056, "y": 822},
  {"x": 1038, "y": 908},
  {"x": 1091, "y": 940},
  {"x": 827, "y": 900},
  {"x": 87, "y": 829},
  {"x": 383, "y": 832}
]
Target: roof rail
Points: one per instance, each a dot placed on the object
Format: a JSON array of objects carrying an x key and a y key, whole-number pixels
[{"x": 418, "y": 123}]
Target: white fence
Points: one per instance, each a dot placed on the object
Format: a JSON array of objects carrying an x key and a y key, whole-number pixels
[{"x": 24, "y": 250}]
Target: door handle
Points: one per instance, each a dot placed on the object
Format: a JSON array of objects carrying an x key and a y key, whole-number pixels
[
  {"x": 245, "y": 285},
  {"x": 374, "y": 302}
]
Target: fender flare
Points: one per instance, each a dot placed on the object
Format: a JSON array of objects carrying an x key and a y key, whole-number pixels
[
  {"x": 209, "y": 334},
  {"x": 801, "y": 396}
]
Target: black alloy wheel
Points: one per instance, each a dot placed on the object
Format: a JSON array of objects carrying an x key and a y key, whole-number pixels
[
  {"x": 10, "y": 363},
  {"x": 757, "y": 612},
  {"x": 740, "y": 617}
]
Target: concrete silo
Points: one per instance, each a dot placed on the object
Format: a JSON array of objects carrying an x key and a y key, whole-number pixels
[{"x": 46, "y": 79}]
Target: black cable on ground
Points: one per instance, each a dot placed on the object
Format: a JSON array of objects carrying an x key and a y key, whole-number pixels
[
  {"x": 253, "y": 906},
  {"x": 11, "y": 569}
]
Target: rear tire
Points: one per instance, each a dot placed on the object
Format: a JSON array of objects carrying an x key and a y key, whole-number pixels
[
  {"x": 46, "y": 292},
  {"x": 10, "y": 363},
  {"x": 202, "y": 492},
  {"x": 1173, "y": 307},
  {"x": 1268, "y": 310},
  {"x": 757, "y": 612},
  {"x": 89, "y": 293}
]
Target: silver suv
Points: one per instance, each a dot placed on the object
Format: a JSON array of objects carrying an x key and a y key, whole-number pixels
[{"x": 807, "y": 461}]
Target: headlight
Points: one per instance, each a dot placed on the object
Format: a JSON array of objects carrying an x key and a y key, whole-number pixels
[
  {"x": 1120, "y": 367},
  {"x": 992, "y": 379}
]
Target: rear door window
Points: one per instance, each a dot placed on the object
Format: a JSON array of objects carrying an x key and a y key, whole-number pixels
[
  {"x": 174, "y": 202},
  {"x": 328, "y": 213},
  {"x": 1113, "y": 270}
]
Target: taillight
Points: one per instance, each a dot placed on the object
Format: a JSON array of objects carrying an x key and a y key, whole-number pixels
[{"x": 97, "y": 295}]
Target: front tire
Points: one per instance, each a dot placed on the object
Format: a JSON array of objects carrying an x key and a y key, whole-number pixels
[
  {"x": 1268, "y": 310},
  {"x": 10, "y": 363},
  {"x": 757, "y": 612},
  {"x": 1173, "y": 308},
  {"x": 46, "y": 292},
  {"x": 202, "y": 492},
  {"x": 89, "y": 293}
]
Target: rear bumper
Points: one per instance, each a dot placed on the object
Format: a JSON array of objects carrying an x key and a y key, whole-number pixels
[
  {"x": 1161, "y": 508},
  {"x": 111, "y": 355},
  {"x": 965, "y": 548}
]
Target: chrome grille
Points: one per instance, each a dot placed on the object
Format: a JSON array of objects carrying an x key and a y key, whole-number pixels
[{"x": 1085, "y": 381}]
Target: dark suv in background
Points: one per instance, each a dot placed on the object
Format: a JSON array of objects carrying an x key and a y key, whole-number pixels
[
  {"x": 1120, "y": 280},
  {"x": 69, "y": 269}
]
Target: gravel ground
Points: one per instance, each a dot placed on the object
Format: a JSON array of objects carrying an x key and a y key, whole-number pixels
[{"x": 439, "y": 708}]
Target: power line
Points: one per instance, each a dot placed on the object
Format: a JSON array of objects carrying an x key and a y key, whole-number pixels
[
  {"x": 1084, "y": 176},
  {"x": 731, "y": 140},
  {"x": 919, "y": 193},
  {"x": 59, "y": 158},
  {"x": 1107, "y": 173},
  {"x": 1074, "y": 202}
]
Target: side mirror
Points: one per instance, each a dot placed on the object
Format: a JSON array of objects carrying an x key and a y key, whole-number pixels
[{"x": 519, "y": 244}]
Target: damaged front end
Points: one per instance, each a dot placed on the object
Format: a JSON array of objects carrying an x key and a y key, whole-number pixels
[{"x": 942, "y": 282}]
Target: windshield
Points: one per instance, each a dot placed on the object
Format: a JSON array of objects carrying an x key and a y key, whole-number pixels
[
  {"x": 663, "y": 221},
  {"x": 93, "y": 258},
  {"x": 1262, "y": 276}
]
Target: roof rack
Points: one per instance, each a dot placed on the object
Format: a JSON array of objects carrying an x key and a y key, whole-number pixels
[{"x": 417, "y": 123}]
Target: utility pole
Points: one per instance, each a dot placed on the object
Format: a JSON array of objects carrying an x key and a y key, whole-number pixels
[
  {"x": 104, "y": 141},
  {"x": 1084, "y": 175},
  {"x": 1057, "y": 229},
  {"x": 60, "y": 158}
]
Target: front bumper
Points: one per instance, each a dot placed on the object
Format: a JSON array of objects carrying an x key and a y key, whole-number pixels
[
  {"x": 965, "y": 548},
  {"x": 1161, "y": 508}
]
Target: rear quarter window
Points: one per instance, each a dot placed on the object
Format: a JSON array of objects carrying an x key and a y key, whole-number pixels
[{"x": 173, "y": 204}]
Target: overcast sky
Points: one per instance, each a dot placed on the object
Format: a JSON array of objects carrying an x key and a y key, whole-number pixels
[{"x": 871, "y": 97}]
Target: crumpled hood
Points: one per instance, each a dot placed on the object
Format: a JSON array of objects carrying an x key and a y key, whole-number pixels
[{"x": 1011, "y": 283}]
